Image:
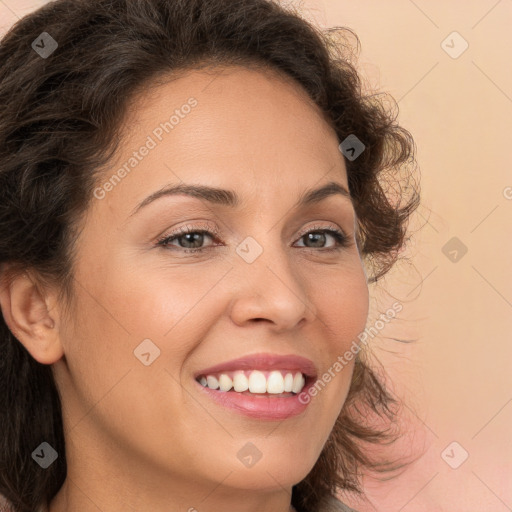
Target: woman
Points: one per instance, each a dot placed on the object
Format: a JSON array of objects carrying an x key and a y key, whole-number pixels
[{"x": 192, "y": 206}]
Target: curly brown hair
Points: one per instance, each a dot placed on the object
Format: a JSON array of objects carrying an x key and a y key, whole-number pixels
[{"x": 60, "y": 124}]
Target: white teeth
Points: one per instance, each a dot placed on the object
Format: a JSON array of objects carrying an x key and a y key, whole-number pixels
[
  {"x": 288, "y": 382},
  {"x": 240, "y": 382},
  {"x": 212, "y": 382},
  {"x": 257, "y": 382},
  {"x": 275, "y": 383},
  {"x": 225, "y": 382},
  {"x": 298, "y": 383}
]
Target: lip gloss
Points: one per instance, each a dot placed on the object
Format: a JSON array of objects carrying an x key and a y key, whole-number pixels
[{"x": 262, "y": 406}]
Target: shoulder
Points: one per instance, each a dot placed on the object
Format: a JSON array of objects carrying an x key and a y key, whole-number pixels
[{"x": 332, "y": 504}]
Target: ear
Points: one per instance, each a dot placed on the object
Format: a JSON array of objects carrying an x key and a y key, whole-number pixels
[{"x": 31, "y": 315}]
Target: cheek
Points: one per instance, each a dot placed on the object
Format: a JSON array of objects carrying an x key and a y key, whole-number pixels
[
  {"x": 175, "y": 306},
  {"x": 114, "y": 316},
  {"x": 342, "y": 304}
]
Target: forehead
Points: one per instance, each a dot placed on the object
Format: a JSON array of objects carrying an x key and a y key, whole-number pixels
[
  {"x": 247, "y": 107},
  {"x": 251, "y": 130}
]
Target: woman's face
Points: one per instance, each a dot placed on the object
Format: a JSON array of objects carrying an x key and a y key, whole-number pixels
[{"x": 150, "y": 318}]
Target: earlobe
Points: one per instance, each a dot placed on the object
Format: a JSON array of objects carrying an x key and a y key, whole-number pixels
[{"x": 26, "y": 311}]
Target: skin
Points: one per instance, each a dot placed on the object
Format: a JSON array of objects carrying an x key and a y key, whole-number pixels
[{"x": 144, "y": 437}]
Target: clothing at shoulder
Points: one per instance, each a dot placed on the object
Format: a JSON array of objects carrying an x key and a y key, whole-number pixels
[{"x": 332, "y": 504}]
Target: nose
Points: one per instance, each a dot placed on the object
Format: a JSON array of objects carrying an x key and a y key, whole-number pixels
[{"x": 271, "y": 289}]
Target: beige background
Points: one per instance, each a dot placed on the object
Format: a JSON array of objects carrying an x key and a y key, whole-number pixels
[{"x": 456, "y": 378}]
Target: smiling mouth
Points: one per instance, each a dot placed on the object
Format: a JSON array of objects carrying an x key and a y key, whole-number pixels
[{"x": 274, "y": 383}]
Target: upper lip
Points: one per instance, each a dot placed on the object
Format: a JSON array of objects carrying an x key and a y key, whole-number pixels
[{"x": 264, "y": 361}]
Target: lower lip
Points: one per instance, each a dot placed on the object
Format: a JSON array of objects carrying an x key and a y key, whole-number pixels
[{"x": 265, "y": 407}]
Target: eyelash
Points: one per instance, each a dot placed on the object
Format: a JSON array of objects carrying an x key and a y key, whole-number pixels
[{"x": 342, "y": 241}]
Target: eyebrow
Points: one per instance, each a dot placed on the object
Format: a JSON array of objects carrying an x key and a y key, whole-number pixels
[{"x": 231, "y": 199}]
